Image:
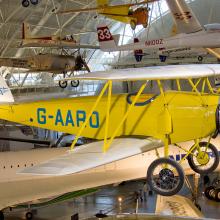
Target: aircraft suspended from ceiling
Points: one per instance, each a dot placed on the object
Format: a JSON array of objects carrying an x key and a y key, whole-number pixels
[
  {"x": 191, "y": 35},
  {"x": 50, "y": 63},
  {"x": 26, "y": 3},
  {"x": 54, "y": 41},
  {"x": 122, "y": 13}
]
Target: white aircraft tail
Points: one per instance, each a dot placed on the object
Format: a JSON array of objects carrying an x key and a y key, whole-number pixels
[
  {"x": 5, "y": 93},
  {"x": 185, "y": 20},
  {"x": 107, "y": 41},
  {"x": 26, "y": 31}
]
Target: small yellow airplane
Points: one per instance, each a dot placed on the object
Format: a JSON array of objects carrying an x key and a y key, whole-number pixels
[
  {"x": 122, "y": 13},
  {"x": 131, "y": 124}
]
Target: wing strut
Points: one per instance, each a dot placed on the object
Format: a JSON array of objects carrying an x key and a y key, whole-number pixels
[
  {"x": 107, "y": 142},
  {"x": 107, "y": 84}
]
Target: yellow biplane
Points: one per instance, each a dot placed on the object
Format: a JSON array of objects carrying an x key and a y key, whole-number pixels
[
  {"x": 122, "y": 13},
  {"x": 130, "y": 124}
]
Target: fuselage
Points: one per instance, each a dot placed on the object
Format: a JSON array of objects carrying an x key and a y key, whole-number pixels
[
  {"x": 41, "y": 62},
  {"x": 41, "y": 42},
  {"x": 186, "y": 116},
  {"x": 200, "y": 39}
]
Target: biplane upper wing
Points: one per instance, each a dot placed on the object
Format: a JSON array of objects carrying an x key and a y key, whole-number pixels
[
  {"x": 154, "y": 73},
  {"x": 91, "y": 155},
  {"x": 185, "y": 20}
]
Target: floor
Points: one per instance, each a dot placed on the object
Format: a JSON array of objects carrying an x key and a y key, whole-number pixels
[{"x": 109, "y": 200}]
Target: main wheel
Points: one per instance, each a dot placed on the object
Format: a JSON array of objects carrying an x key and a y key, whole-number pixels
[
  {"x": 208, "y": 191},
  {"x": 204, "y": 161},
  {"x": 200, "y": 58},
  {"x": 25, "y": 3},
  {"x": 165, "y": 177},
  {"x": 74, "y": 83},
  {"x": 63, "y": 84},
  {"x": 34, "y": 2},
  {"x": 217, "y": 195},
  {"x": 29, "y": 216},
  {"x": 133, "y": 24}
]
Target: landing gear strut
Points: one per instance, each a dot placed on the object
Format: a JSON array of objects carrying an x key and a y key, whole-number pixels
[{"x": 29, "y": 216}]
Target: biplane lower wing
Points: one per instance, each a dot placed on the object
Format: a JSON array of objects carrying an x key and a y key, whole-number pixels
[{"x": 91, "y": 155}]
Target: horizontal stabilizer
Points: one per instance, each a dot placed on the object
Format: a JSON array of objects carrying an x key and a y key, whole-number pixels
[
  {"x": 91, "y": 155},
  {"x": 154, "y": 73}
]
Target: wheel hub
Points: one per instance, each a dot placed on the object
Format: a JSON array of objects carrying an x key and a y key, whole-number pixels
[
  {"x": 166, "y": 175},
  {"x": 202, "y": 158}
]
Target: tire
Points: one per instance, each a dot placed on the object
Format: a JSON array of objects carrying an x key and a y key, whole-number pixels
[
  {"x": 212, "y": 194},
  {"x": 29, "y": 215},
  {"x": 207, "y": 192},
  {"x": 210, "y": 169},
  {"x": 74, "y": 83},
  {"x": 63, "y": 84},
  {"x": 200, "y": 58},
  {"x": 25, "y": 3},
  {"x": 217, "y": 195},
  {"x": 34, "y": 2},
  {"x": 133, "y": 24},
  {"x": 152, "y": 183}
]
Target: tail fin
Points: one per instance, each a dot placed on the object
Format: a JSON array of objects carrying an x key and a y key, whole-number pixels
[
  {"x": 5, "y": 93},
  {"x": 25, "y": 31},
  {"x": 185, "y": 20},
  {"x": 107, "y": 41}
]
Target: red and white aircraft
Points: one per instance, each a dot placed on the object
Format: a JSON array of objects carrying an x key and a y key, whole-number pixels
[
  {"x": 51, "y": 41},
  {"x": 191, "y": 35}
]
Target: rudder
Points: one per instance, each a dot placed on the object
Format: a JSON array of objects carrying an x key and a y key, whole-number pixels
[
  {"x": 107, "y": 41},
  {"x": 5, "y": 93}
]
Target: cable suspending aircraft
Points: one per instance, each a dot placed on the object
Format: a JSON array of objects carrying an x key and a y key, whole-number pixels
[
  {"x": 140, "y": 124},
  {"x": 51, "y": 41},
  {"x": 122, "y": 13},
  {"x": 191, "y": 34},
  {"x": 51, "y": 63}
]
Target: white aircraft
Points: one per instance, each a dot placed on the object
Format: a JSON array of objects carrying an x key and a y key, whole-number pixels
[
  {"x": 16, "y": 188},
  {"x": 51, "y": 41},
  {"x": 51, "y": 63},
  {"x": 191, "y": 35}
]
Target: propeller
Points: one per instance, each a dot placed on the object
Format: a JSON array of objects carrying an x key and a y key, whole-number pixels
[{"x": 80, "y": 62}]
